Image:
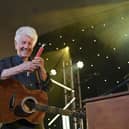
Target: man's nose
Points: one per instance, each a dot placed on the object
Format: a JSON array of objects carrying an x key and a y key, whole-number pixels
[{"x": 26, "y": 45}]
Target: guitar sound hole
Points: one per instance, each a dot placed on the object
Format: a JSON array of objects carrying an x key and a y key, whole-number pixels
[{"x": 29, "y": 105}]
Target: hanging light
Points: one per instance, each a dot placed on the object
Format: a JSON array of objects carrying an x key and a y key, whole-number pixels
[
  {"x": 80, "y": 64},
  {"x": 53, "y": 72}
]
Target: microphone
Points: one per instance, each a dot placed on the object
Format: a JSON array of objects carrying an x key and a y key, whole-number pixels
[
  {"x": 37, "y": 73},
  {"x": 40, "y": 51},
  {"x": 38, "y": 54}
]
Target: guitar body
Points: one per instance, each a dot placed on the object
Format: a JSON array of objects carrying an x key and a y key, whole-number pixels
[{"x": 10, "y": 88}]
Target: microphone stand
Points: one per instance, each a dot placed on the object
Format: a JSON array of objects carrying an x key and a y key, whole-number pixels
[{"x": 38, "y": 78}]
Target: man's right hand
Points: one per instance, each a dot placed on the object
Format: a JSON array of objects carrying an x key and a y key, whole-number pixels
[{"x": 29, "y": 66}]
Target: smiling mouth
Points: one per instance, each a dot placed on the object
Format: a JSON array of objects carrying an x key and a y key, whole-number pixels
[{"x": 25, "y": 50}]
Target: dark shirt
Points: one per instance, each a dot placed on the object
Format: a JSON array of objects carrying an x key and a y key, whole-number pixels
[{"x": 29, "y": 80}]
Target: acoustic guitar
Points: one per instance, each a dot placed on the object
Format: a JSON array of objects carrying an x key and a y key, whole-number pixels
[{"x": 18, "y": 102}]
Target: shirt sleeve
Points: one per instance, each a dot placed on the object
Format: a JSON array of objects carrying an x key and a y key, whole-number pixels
[{"x": 4, "y": 64}]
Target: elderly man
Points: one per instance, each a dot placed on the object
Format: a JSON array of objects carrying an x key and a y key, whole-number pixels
[{"x": 21, "y": 68}]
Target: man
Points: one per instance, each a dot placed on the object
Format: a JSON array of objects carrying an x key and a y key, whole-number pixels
[{"x": 22, "y": 69}]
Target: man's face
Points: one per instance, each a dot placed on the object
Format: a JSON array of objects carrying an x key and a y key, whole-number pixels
[{"x": 24, "y": 46}]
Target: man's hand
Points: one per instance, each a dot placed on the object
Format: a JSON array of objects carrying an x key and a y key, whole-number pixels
[
  {"x": 39, "y": 62},
  {"x": 36, "y": 63}
]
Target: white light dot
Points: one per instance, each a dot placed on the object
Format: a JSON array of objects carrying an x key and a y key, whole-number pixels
[
  {"x": 118, "y": 67},
  {"x": 94, "y": 40},
  {"x": 53, "y": 72},
  {"x": 104, "y": 25},
  {"x": 73, "y": 40},
  {"x": 128, "y": 62},
  {"x": 88, "y": 87},
  {"x": 117, "y": 82},
  {"x": 80, "y": 64},
  {"x": 105, "y": 80},
  {"x": 114, "y": 49},
  {"x": 61, "y": 36},
  {"x": 92, "y": 27},
  {"x": 64, "y": 43},
  {"x": 80, "y": 48},
  {"x": 57, "y": 48},
  {"x": 82, "y": 30},
  {"x": 107, "y": 57},
  {"x": 92, "y": 65},
  {"x": 98, "y": 54},
  {"x": 49, "y": 44},
  {"x": 46, "y": 58}
]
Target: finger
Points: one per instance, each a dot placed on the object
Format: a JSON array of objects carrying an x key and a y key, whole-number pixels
[
  {"x": 38, "y": 63},
  {"x": 39, "y": 59}
]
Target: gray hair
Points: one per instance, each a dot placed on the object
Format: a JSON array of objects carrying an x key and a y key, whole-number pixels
[{"x": 26, "y": 30}]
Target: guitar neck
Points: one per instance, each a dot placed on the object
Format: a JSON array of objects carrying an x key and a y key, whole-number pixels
[{"x": 56, "y": 110}]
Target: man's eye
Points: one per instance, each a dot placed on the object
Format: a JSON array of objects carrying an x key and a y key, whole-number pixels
[{"x": 23, "y": 42}]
